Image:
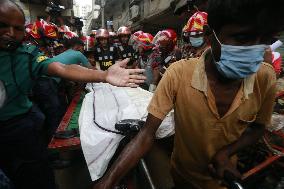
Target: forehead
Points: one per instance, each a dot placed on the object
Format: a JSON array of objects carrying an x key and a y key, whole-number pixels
[{"x": 10, "y": 14}]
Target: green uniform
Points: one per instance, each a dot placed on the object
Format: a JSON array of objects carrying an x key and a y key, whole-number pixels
[{"x": 18, "y": 71}]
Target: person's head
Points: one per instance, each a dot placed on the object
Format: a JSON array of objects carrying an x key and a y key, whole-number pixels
[
  {"x": 12, "y": 25},
  {"x": 166, "y": 40},
  {"x": 193, "y": 31},
  {"x": 75, "y": 43},
  {"x": 144, "y": 43},
  {"x": 124, "y": 34},
  {"x": 243, "y": 22},
  {"x": 102, "y": 37}
]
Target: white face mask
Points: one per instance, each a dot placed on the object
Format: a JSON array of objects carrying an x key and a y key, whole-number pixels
[{"x": 3, "y": 95}]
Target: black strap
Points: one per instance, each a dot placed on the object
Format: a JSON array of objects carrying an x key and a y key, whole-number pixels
[{"x": 99, "y": 126}]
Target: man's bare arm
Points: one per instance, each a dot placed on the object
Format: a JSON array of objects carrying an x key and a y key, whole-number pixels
[
  {"x": 132, "y": 153},
  {"x": 116, "y": 74}
]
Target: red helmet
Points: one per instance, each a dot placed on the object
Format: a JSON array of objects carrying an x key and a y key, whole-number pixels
[
  {"x": 102, "y": 33},
  {"x": 145, "y": 41},
  {"x": 123, "y": 30},
  {"x": 69, "y": 35},
  {"x": 168, "y": 35},
  {"x": 63, "y": 29},
  {"x": 35, "y": 29},
  {"x": 196, "y": 23},
  {"x": 136, "y": 34},
  {"x": 89, "y": 42},
  {"x": 50, "y": 30},
  {"x": 171, "y": 34}
]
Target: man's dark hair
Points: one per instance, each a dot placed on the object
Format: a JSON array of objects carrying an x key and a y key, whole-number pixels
[
  {"x": 69, "y": 43},
  {"x": 2, "y": 2},
  {"x": 265, "y": 15}
]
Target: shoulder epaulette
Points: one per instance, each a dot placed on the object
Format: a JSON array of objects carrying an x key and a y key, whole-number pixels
[{"x": 268, "y": 65}]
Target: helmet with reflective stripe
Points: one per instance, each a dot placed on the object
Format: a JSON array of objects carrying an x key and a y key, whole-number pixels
[
  {"x": 102, "y": 33},
  {"x": 123, "y": 30},
  {"x": 165, "y": 36},
  {"x": 196, "y": 23},
  {"x": 69, "y": 35},
  {"x": 145, "y": 41}
]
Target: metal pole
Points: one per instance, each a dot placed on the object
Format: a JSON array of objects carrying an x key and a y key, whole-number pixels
[
  {"x": 103, "y": 13},
  {"x": 147, "y": 173}
]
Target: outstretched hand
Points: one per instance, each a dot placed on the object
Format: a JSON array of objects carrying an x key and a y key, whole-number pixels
[{"x": 119, "y": 76}]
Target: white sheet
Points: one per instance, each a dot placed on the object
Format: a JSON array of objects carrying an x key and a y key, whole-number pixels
[{"x": 112, "y": 104}]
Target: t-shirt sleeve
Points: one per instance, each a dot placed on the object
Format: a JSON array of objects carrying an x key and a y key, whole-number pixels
[
  {"x": 164, "y": 97},
  {"x": 265, "y": 112},
  {"x": 83, "y": 60}
]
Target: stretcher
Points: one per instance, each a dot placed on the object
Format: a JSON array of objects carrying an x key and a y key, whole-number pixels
[
  {"x": 69, "y": 122},
  {"x": 273, "y": 156}
]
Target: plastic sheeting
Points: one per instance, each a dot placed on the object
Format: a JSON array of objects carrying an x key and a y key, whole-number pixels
[{"x": 107, "y": 105}]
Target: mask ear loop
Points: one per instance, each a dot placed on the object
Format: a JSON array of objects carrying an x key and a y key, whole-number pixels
[{"x": 217, "y": 37}]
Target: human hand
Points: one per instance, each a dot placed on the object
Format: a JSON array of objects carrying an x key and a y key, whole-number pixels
[
  {"x": 220, "y": 164},
  {"x": 119, "y": 76},
  {"x": 102, "y": 185}
]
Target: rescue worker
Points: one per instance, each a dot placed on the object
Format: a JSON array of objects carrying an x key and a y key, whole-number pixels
[
  {"x": 134, "y": 38},
  {"x": 23, "y": 157},
  {"x": 46, "y": 89},
  {"x": 105, "y": 54},
  {"x": 165, "y": 53},
  {"x": 145, "y": 46},
  {"x": 222, "y": 101},
  {"x": 193, "y": 36},
  {"x": 126, "y": 50}
]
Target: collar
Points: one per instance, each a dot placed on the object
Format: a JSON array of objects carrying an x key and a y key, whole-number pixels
[{"x": 199, "y": 79}]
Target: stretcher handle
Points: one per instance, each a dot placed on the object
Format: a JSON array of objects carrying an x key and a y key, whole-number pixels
[{"x": 232, "y": 181}]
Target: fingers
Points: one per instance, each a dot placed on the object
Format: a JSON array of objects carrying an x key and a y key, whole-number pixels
[
  {"x": 132, "y": 85},
  {"x": 135, "y": 81},
  {"x": 136, "y": 71},
  {"x": 123, "y": 63},
  {"x": 137, "y": 77}
]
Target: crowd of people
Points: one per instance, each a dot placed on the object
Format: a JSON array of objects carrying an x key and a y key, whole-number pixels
[{"x": 220, "y": 90}]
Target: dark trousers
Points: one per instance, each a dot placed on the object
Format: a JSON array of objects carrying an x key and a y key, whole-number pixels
[
  {"x": 48, "y": 100},
  {"x": 23, "y": 156}
]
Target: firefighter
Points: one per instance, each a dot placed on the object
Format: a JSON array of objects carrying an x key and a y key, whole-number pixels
[
  {"x": 134, "y": 39},
  {"x": 105, "y": 54},
  {"x": 126, "y": 50},
  {"x": 46, "y": 91},
  {"x": 23, "y": 157},
  {"x": 193, "y": 36},
  {"x": 165, "y": 53},
  {"x": 145, "y": 46}
]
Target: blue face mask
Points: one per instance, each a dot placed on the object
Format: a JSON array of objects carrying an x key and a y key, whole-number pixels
[
  {"x": 196, "y": 41},
  {"x": 238, "y": 62}
]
